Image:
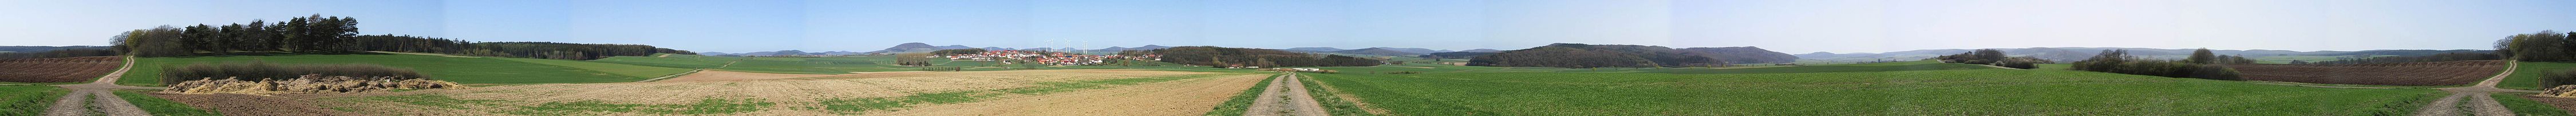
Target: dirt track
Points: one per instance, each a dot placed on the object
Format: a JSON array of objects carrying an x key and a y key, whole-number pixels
[
  {"x": 1174, "y": 98},
  {"x": 81, "y": 100},
  {"x": 2478, "y": 101},
  {"x": 1285, "y": 97}
]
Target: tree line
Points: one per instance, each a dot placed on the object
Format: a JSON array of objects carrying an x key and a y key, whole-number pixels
[
  {"x": 2198, "y": 66},
  {"x": 301, "y": 34},
  {"x": 1232, "y": 57},
  {"x": 63, "y": 53},
  {"x": 319, "y": 34},
  {"x": 2546, "y": 46},
  {"x": 1994, "y": 57}
]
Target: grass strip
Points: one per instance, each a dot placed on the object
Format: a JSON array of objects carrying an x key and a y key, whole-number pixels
[
  {"x": 162, "y": 107},
  {"x": 1236, "y": 105}
]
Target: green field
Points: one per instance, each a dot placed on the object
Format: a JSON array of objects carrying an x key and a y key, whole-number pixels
[
  {"x": 1906, "y": 88},
  {"x": 2527, "y": 75},
  {"x": 147, "y": 71},
  {"x": 161, "y": 107},
  {"x": 2525, "y": 106},
  {"x": 610, "y": 68},
  {"x": 28, "y": 99}
]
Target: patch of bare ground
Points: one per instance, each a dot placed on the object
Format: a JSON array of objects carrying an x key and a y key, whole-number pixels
[
  {"x": 2562, "y": 103},
  {"x": 722, "y": 75},
  {"x": 2403, "y": 74},
  {"x": 792, "y": 96},
  {"x": 1180, "y": 97},
  {"x": 251, "y": 105}
]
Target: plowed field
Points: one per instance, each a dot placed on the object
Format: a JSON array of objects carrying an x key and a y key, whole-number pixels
[
  {"x": 51, "y": 70},
  {"x": 2403, "y": 74}
]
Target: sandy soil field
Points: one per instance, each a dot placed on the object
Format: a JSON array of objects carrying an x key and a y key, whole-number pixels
[
  {"x": 798, "y": 95},
  {"x": 721, "y": 75},
  {"x": 1175, "y": 98}
]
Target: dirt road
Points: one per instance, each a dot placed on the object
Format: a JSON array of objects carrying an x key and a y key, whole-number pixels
[
  {"x": 2478, "y": 102},
  {"x": 1285, "y": 97},
  {"x": 81, "y": 101}
]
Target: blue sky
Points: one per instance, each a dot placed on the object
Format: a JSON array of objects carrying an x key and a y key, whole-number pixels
[{"x": 1793, "y": 26}]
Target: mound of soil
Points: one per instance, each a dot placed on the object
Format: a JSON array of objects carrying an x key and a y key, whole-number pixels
[
  {"x": 52, "y": 70},
  {"x": 2404, "y": 74}
]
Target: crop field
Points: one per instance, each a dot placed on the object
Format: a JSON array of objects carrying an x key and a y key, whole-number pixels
[
  {"x": 1906, "y": 88},
  {"x": 28, "y": 99},
  {"x": 2527, "y": 76},
  {"x": 2404, "y": 74},
  {"x": 55, "y": 70},
  {"x": 797, "y": 65},
  {"x": 146, "y": 71},
  {"x": 869, "y": 93},
  {"x": 610, "y": 68},
  {"x": 161, "y": 107}
]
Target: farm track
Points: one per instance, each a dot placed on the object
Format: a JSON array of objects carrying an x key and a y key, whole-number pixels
[
  {"x": 1285, "y": 97},
  {"x": 2477, "y": 101},
  {"x": 80, "y": 102}
]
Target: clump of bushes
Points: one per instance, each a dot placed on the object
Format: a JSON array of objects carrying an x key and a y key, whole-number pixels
[
  {"x": 1404, "y": 72},
  {"x": 2555, "y": 78},
  {"x": 1993, "y": 57},
  {"x": 304, "y": 84},
  {"x": 2118, "y": 61},
  {"x": 258, "y": 70}
]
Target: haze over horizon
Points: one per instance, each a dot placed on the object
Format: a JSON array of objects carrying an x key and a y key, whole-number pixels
[{"x": 1839, "y": 26}]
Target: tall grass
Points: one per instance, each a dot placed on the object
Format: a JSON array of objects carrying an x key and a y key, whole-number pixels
[
  {"x": 2552, "y": 79},
  {"x": 259, "y": 70}
]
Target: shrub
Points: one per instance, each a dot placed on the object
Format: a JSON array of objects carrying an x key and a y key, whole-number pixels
[
  {"x": 1404, "y": 72},
  {"x": 258, "y": 70},
  {"x": 2120, "y": 62},
  {"x": 2555, "y": 78}
]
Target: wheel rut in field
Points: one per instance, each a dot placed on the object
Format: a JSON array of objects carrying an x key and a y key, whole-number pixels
[
  {"x": 95, "y": 97},
  {"x": 1285, "y": 97},
  {"x": 2474, "y": 98}
]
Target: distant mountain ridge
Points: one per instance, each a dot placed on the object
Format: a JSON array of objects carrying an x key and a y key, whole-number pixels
[
  {"x": 1379, "y": 51},
  {"x": 45, "y": 48},
  {"x": 1570, "y": 55}
]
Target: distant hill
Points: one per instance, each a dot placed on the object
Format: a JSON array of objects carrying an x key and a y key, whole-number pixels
[
  {"x": 1378, "y": 51},
  {"x": 1116, "y": 49},
  {"x": 1221, "y": 56},
  {"x": 2407, "y": 52},
  {"x": 2064, "y": 54},
  {"x": 1568, "y": 55},
  {"x": 954, "y": 47},
  {"x": 1745, "y": 55},
  {"x": 1456, "y": 55},
  {"x": 1314, "y": 49},
  {"x": 1413, "y": 50},
  {"x": 916, "y": 47},
  {"x": 1481, "y": 50},
  {"x": 45, "y": 48}
]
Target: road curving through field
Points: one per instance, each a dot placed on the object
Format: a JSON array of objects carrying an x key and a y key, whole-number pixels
[
  {"x": 2475, "y": 97},
  {"x": 96, "y": 94}
]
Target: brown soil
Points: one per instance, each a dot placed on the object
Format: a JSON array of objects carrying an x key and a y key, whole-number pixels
[
  {"x": 1174, "y": 98},
  {"x": 791, "y": 95},
  {"x": 2568, "y": 104},
  {"x": 252, "y": 105},
  {"x": 51, "y": 70},
  {"x": 721, "y": 75},
  {"x": 2405, "y": 74}
]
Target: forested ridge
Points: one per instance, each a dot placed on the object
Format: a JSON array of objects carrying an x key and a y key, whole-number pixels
[{"x": 320, "y": 34}]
